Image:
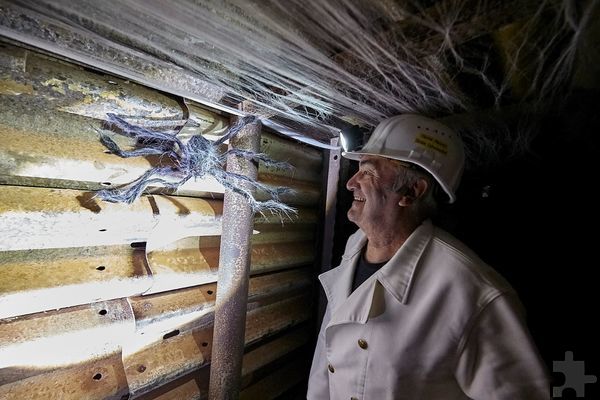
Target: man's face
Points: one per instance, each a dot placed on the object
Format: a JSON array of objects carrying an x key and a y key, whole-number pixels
[{"x": 375, "y": 201}]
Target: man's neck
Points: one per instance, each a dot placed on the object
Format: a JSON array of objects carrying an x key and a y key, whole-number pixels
[{"x": 382, "y": 245}]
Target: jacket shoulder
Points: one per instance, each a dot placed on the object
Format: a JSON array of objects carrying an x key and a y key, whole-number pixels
[{"x": 463, "y": 263}]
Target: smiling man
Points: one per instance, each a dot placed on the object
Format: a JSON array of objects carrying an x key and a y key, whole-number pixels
[{"x": 412, "y": 312}]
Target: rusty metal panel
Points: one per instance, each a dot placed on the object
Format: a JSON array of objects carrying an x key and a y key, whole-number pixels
[
  {"x": 301, "y": 193},
  {"x": 271, "y": 351},
  {"x": 64, "y": 248},
  {"x": 50, "y": 111},
  {"x": 188, "y": 307},
  {"x": 163, "y": 311},
  {"x": 266, "y": 320},
  {"x": 163, "y": 361},
  {"x": 44, "y": 343},
  {"x": 194, "y": 386},
  {"x": 49, "y": 114},
  {"x": 46, "y": 279},
  {"x": 72, "y": 43},
  {"x": 181, "y": 351},
  {"x": 194, "y": 260},
  {"x": 33, "y": 218},
  {"x": 307, "y": 160},
  {"x": 189, "y": 261},
  {"x": 281, "y": 282},
  {"x": 60, "y": 277},
  {"x": 83, "y": 345},
  {"x": 275, "y": 384},
  {"x": 103, "y": 378}
]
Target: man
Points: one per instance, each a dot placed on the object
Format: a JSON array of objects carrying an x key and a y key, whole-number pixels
[{"x": 413, "y": 313}]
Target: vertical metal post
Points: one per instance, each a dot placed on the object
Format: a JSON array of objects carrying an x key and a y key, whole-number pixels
[
  {"x": 234, "y": 268},
  {"x": 330, "y": 188},
  {"x": 331, "y": 181}
]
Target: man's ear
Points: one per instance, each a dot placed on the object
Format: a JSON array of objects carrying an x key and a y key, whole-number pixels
[{"x": 413, "y": 193}]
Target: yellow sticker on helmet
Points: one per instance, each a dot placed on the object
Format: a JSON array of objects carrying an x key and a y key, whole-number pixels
[{"x": 432, "y": 143}]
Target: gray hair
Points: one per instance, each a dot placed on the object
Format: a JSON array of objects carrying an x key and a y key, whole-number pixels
[{"x": 425, "y": 206}]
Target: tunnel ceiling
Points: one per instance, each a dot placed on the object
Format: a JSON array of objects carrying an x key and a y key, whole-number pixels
[{"x": 313, "y": 67}]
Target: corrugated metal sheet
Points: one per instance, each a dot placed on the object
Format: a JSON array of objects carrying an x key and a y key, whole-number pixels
[
  {"x": 113, "y": 301},
  {"x": 50, "y": 114}
]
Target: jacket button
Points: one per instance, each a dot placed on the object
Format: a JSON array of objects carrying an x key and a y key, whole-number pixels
[
  {"x": 330, "y": 368},
  {"x": 362, "y": 343}
]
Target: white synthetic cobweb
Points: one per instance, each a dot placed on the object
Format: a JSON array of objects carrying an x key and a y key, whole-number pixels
[{"x": 360, "y": 60}]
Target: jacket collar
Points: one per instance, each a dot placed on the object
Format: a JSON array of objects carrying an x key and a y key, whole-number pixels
[{"x": 396, "y": 276}]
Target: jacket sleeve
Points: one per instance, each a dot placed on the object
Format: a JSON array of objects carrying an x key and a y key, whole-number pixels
[
  {"x": 318, "y": 380},
  {"x": 498, "y": 359}
]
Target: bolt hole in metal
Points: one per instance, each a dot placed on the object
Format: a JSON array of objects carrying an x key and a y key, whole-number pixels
[
  {"x": 171, "y": 334},
  {"x": 204, "y": 344},
  {"x": 102, "y": 312},
  {"x": 209, "y": 292},
  {"x": 101, "y": 268},
  {"x": 97, "y": 377}
]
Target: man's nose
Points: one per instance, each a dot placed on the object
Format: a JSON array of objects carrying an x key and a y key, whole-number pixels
[{"x": 351, "y": 185}]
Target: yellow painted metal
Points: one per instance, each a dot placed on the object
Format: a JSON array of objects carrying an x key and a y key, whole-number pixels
[
  {"x": 167, "y": 359},
  {"x": 300, "y": 193},
  {"x": 41, "y": 326},
  {"x": 47, "y": 279},
  {"x": 60, "y": 276},
  {"x": 52, "y": 158},
  {"x": 44, "y": 342},
  {"x": 86, "y": 343},
  {"x": 271, "y": 351},
  {"x": 103, "y": 378},
  {"x": 181, "y": 264},
  {"x": 186, "y": 308},
  {"x": 308, "y": 161},
  {"x": 33, "y": 218},
  {"x": 195, "y": 385},
  {"x": 51, "y": 111},
  {"x": 36, "y": 79},
  {"x": 183, "y": 351},
  {"x": 106, "y": 330},
  {"x": 170, "y": 309}
]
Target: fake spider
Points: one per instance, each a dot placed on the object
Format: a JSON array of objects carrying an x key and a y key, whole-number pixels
[{"x": 196, "y": 158}]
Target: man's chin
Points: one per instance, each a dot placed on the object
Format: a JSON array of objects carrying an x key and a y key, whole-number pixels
[{"x": 352, "y": 216}]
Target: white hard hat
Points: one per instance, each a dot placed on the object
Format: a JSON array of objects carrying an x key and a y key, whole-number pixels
[{"x": 421, "y": 141}]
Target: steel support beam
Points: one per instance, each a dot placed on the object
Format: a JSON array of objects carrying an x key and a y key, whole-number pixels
[{"x": 234, "y": 266}]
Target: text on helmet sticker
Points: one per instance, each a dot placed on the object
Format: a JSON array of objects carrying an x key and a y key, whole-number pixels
[{"x": 432, "y": 143}]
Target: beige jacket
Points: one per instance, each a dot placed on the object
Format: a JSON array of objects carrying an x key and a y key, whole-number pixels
[{"x": 435, "y": 322}]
